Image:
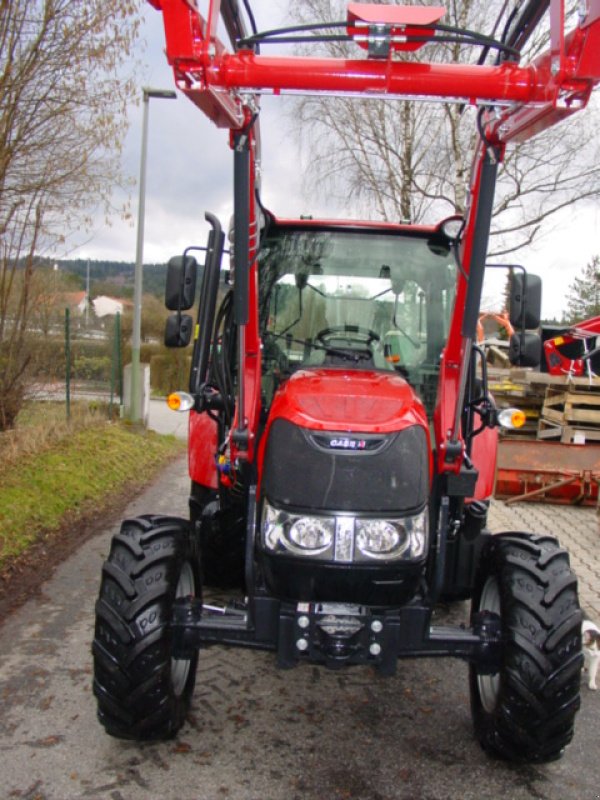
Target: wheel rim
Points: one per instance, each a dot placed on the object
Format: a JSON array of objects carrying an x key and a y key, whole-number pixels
[
  {"x": 489, "y": 685},
  {"x": 180, "y": 667}
]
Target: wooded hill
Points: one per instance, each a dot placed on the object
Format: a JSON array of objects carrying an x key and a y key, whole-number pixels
[{"x": 114, "y": 278}]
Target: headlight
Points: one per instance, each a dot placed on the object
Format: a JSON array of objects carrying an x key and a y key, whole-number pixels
[
  {"x": 303, "y": 535},
  {"x": 311, "y": 533},
  {"x": 390, "y": 539},
  {"x": 379, "y": 538},
  {"x": 343, "y": 538}
]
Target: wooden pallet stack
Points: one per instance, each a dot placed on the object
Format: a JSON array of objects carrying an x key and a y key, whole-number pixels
[
  {"x": 556, "y": 407},
  {"x": 571, "y": 413}
]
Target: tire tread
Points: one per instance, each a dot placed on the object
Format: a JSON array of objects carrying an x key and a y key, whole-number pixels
[
  {"x": 131, "y": 647},
  {"x": 539, "y": 689}
]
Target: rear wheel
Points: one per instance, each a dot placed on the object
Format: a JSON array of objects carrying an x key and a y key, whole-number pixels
[
  {"x": 142, "y": 691},
  {"x": 525, "y": 712}
]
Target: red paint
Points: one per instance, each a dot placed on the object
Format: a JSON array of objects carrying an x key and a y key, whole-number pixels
[
  {"x": 400, "y": 16},
  {"x": 245, "y": 70},
  {"x": 354, "y": 224},
  {"x": 202, "y": 450},
  {"x": 558, "y": 82},
  {"x": 347, "y": 401},
  {"x": 402, "y": 21},
  {"x": 483, "y": 455}
]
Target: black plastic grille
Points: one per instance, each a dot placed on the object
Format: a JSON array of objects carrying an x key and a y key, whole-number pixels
[{"x": 300, "y": 473}]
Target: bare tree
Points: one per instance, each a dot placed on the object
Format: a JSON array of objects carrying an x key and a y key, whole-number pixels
[
  {"x": 62, "y": 123},
  {"x": 50, "y": 293},
  {"x": 402, "y": 160}
]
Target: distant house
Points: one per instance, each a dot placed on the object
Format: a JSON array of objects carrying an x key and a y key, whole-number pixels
[
  {"x": 105, "y": 306},
  {"x": 76, "y": 301}
]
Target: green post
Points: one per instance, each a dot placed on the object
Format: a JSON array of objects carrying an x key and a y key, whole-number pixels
[
  {"x": 116, "y": 377},
  {"x": 119, "y": 356},
  {"x": 68, "y": 361},
  {"x": 113, "y": 366}
]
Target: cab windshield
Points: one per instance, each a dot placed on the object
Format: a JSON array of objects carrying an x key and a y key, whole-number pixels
[{"x": 355, "y": 300}]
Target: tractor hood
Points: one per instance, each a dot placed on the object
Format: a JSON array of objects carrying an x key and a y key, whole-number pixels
[
  {"x": 351, "y": 441},
  {"x": 349, "y": 401}
]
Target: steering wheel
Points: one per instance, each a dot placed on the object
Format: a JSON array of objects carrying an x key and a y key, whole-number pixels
[{"x": 363, "y": 335}]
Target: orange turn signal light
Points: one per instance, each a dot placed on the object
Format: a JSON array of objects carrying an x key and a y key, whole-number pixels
[
  {"x": 180, "y": 401},
  {"x": 512, "y": 418},
  {"x": 518, "y": 418}
]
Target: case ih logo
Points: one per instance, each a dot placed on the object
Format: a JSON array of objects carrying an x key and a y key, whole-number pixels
[{"x": 348, "y": 444}]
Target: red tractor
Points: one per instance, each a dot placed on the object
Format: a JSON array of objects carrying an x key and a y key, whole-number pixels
[{"x": 342, "y": 440}]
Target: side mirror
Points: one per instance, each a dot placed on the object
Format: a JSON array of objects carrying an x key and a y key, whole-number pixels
[
  {"x": 180, "y": 288},
  {"x": 525, "y": 350},
  {"x": 525, "y": 301},
  {"x": 178, "y": 330}
]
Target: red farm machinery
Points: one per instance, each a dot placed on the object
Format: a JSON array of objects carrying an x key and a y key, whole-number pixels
[
  {"x": 342, "y": 439},
  {"x": 574, "y": 351}
]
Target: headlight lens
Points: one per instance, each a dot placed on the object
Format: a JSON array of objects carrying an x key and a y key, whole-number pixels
[
  {"x": 311, "y": 533},
  {"x": 343, "y": 538},
  {"x": 303, "y": 535},
  {"x": 379, "y": 538}
]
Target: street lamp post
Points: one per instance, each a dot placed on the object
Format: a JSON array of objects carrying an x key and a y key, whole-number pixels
[{"x": 135, "y": 395}]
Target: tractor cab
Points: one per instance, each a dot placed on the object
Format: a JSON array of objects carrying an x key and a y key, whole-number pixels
[{"x": 346, "y": 297}]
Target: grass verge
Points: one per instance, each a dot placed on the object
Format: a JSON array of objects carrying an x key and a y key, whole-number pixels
[
  {"x": 71, "y": 478},
  {"x": 41, "y": 424}
]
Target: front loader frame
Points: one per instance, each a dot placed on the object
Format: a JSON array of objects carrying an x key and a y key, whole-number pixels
[{"x": 516, "y": 103}]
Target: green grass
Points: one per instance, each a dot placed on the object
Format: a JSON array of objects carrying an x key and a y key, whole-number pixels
[
  {"x": 42, "y": 424},
  {"x": 73, "y": 477}
]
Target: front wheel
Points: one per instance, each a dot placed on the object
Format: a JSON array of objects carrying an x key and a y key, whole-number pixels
[
  {"x": 142, "y": 691},
  {"x": 525, "y": 711}
]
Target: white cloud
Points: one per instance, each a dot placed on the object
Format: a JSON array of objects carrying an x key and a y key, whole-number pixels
[{"x": 571, "y": 240}]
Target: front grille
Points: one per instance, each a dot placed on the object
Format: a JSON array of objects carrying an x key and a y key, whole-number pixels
[{"x": 389, "y": 474}]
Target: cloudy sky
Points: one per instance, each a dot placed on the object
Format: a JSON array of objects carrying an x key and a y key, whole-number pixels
[{"x": 189, "y": 171}]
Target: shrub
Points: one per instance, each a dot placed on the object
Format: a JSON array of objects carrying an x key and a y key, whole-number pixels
[
  {"x": 169, "y": 371},
  {"x": 92, "y": 368}
]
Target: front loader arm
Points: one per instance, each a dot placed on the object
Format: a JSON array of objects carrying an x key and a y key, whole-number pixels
[
  {"x": 560, "y": 81},
  {"x": 569, "y": 70}
]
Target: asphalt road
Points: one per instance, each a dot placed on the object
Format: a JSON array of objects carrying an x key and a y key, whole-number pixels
[
  {"x": 163, "y": 420},
  {"x": 256, "y": 733}
]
